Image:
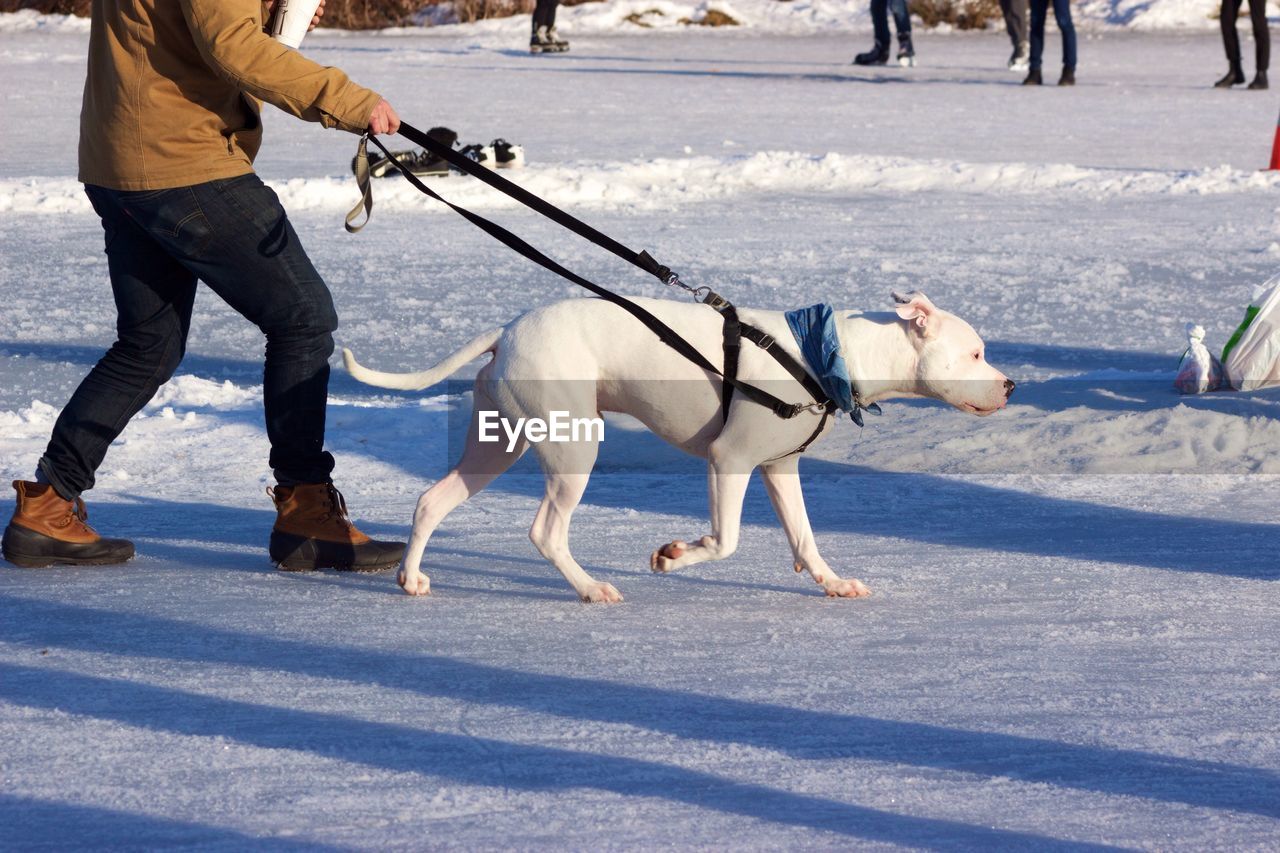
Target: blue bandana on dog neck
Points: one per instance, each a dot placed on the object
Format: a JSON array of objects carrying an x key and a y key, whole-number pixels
[{"x": 815, "y": 331}]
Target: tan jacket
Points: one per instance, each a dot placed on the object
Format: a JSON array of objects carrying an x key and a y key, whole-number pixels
[{"x": 171, "y": 98}]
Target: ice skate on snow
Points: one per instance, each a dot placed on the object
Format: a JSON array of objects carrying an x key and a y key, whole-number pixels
[
  {"x": 482, "y": 154},
  {"x": 417, "y": 161},
  {"x": 1020, "y": 60},
  {"x": 547, "y": 40},
  {"x": 906, "y": 52},
  {"x": 507, "y": 155}
]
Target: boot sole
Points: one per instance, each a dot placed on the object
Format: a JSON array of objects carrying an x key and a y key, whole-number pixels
[
  {"x": 25, "y": 562},
  {"x": 291, "y": 553},
  {"x": 22, "y": 548}
]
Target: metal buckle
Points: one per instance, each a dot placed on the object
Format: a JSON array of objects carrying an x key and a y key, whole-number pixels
[
  {"x": 766, "y": 341},
  {"x": 715, "y": 300}
]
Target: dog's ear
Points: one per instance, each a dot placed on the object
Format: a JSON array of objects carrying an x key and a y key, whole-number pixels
[{"x": 917, "y": 308}]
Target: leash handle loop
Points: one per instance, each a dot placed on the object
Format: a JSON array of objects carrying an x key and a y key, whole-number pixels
[{"x": 364, "y": 183}]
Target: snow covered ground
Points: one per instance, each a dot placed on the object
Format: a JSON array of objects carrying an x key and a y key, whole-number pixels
[{"x": 1072, "y": 641}]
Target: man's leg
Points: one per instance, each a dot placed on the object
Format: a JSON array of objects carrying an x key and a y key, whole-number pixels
[
  {"x": 235, "y": 236},
  {"x": 153, "y": 295}
]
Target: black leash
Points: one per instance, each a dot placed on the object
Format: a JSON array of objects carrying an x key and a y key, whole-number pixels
[{"x": 824, "y": 405}]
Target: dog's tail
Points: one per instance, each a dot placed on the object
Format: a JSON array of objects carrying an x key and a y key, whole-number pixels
[{"x": 423, "y": 378}]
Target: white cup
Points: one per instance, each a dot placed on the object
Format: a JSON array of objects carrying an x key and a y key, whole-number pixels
[{"x": 291, "y": 20}]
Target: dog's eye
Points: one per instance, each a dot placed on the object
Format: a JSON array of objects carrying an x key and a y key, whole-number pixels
[{"x": 977, "y": 356}]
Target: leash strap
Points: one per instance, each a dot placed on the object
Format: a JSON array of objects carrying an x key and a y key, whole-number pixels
[
  {"x": 664, "y": 332},
  {"x": 732, "y": 347},
  {"x": 464, "y": 164},
  {"x": 733, "y": 327}
]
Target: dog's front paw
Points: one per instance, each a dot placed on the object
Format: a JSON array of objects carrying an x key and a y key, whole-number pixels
[
  {"x": 415, "y": 584},
  {"x": 664, "y": 559},
  {"x": 600, "y": 593},
  {"x": 844, "y": 588}
]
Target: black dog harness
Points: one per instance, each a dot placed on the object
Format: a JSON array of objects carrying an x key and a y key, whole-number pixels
[{"x": 734, "y": 329}]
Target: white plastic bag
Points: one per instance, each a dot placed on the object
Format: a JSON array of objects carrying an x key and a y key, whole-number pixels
[
  {"x": 1199, "y": 371},
  {"x": 1251, "y": 357}
]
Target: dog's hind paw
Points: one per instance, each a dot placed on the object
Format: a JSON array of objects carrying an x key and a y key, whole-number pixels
[
  {"x": 663, "y": 559},
  {"x": 600, "y": 593},
  {"x": 420, "y": 584}
]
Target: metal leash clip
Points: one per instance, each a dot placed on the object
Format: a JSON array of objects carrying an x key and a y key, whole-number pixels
[{"x": 702, "y": 294}]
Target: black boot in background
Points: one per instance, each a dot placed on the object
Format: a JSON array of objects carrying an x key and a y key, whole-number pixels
[
  {"x": 1233, "y": 77},
  {"x": 878, "y": 55}
]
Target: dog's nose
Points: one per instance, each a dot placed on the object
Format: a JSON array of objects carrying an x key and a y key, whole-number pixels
[{"x": 1008, "y": 388}]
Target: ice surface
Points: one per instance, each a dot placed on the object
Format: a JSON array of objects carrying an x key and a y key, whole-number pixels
[{"x": 1072, "y": 640}]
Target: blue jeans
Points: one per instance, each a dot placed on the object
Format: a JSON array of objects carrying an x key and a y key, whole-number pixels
[
  {"x": 880, "y": 19},
  {"x": 233, "y": 235},
  {"x": 1062, "y": 14}
]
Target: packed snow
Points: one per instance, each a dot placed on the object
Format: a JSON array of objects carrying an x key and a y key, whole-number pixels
[{"x": 1071, "y": 641}]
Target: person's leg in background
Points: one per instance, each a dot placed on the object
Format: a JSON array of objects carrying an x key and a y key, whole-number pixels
[
  {"x": 1062, "y": 14},
  {"x": 153, "y": 294},
  {"x": 902, "y": 22},
  {"x": 1015, "y": 23},
  {"x": 1039, "y": 11},
  {"x": 544, "y": 38},
  {"x": 1261, "y": 42},
  {"x": 1231, "y": 43},
  {"x": 879, "y": 53}
]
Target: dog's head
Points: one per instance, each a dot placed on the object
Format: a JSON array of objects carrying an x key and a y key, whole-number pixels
[{"x": 951, "y": 361}]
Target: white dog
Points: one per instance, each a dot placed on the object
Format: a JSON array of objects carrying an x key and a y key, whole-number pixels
[{"x": 586, "y": 356}]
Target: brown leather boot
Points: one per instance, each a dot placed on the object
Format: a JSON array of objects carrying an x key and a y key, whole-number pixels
[
  {"x": 312, "y": 531},
  {"x": 47, "y": 529}
]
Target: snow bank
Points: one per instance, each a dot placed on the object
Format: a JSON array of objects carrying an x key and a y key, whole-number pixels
[
  {"x": 1085, "y": 440},
  {"x": 1148, "y": 15},
  {"x": 660, "y": 183},
  {"x": 818, "y": 16},
  {"x": 28, "y": 20},
  {"x": 800, "y": 17}
]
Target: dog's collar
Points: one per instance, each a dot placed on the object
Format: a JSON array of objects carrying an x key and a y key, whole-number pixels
[{"x": 815, "y": 332}]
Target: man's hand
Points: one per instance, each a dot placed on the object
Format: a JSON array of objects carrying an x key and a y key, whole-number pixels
[{"x": 383, "y": 119}]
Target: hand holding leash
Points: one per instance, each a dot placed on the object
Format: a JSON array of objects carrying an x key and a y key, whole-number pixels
[{"x": 384, "y": 119}]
